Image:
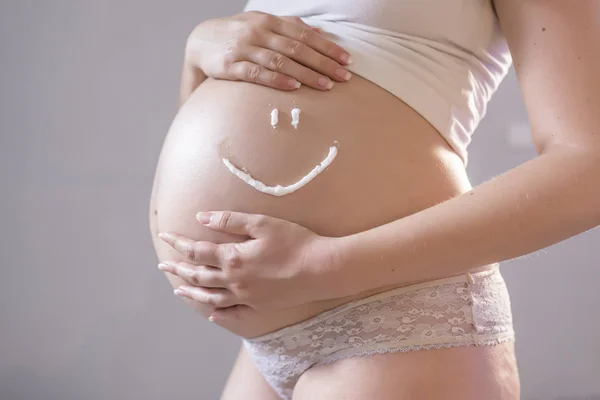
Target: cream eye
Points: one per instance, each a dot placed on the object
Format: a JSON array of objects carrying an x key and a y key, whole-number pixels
[
  {"x": 295, "y": 117},
  {"x": 274, "y": 117}
]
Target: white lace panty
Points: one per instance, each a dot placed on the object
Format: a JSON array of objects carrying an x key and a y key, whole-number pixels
[{"x": 467, "y": 310}]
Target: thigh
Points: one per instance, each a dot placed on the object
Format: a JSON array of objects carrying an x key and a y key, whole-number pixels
[
  {"x": 245, "y": 382},
  {"x": 462, "y": 373}
]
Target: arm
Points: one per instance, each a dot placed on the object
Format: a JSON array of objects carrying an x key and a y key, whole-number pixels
[
  {"x": 553, "y": 197},
  {"x": 191, "y": 75},
  {"x": 191, "y": 78}
]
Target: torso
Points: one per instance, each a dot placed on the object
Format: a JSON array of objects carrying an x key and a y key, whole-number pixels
[{"x": 391, "y": 163}]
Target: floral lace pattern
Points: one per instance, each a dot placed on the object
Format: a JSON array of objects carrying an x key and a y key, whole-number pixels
[{"x": 471, "y": 309}]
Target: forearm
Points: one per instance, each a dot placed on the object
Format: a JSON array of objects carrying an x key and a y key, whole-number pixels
[{"x": 539, "y": 203}]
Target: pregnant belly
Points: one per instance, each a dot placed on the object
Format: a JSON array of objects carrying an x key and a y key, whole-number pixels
[{"x": 390, "y": 163}]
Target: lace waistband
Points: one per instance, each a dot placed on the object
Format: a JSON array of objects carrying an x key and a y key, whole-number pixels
[{"x": 470, "y": 277}]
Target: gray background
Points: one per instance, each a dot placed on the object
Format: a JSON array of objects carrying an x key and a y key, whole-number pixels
[{"x": 88, "y": 92}]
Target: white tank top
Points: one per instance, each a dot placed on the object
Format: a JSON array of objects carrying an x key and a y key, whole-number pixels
[{"x": 444, "y": 59}]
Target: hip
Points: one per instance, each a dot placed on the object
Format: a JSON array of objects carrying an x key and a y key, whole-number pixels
[{"x": 455, "y": 315}]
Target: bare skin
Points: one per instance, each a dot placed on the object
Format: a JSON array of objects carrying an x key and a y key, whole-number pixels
[
  {"x": 404, "y": 160},
  {"x": 246, "y": 382},
  {"x": 399, "y": 172},
  {"x": 434, "y": 171},
  {"x": 450, "y": 374},
  {"x": 476, "y": 373}
]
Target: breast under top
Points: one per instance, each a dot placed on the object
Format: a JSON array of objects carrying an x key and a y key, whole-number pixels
[{"x": 444, "y": 59}]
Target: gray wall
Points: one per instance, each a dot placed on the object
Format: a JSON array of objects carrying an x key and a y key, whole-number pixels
[{"x": 88, "y": 91}]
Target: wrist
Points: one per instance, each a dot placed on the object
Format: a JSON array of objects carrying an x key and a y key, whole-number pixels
[
  {"x": 191, "y": 77},
  {"x": 194, "y": 45},
  {"x": 331, "y": 275}
]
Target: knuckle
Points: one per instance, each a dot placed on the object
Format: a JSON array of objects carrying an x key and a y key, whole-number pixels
[
  {"x": 194, "y": 278},
  {"x": 216, "y": 300},
  {"x": 304, "y": 35},
  {"x": 252, "y": 73},
  {"x": 190, "y": 252},
  {"x": 295, "y": 48},
  {"x": 223, "y": 300},
  {"x": 225, "y": 220},
  {"x": 275, "y": 79},
  {"x": 232, "y": 259},
  {"x": 267, "y": 19},
  {"x": 211, "y": 299},
  {"x": 277, "y": 62}
]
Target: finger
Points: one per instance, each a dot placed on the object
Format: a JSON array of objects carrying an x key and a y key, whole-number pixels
[
  {"x": 209, "y": 296},
  {"x": 235, "y": 222},
  {"x": 294, "y": 19},
  {"x": 195, "y": 275},
  {"x": 313, "y": 40},
  {"x": 251, "y": 72},
  {"x": 299, "y": 20},
  {"x": 200, "y": 252},
  {"x": 234, "y": 313},
  {"x": 307, "y": 56},
  {"x": 279, "y": 63}
]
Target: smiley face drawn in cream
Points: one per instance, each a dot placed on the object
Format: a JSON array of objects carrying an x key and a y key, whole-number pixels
[{"x": 280, "y": 190}]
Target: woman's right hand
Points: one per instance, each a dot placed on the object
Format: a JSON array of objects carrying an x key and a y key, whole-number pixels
[{"x": 279, "y": 52}]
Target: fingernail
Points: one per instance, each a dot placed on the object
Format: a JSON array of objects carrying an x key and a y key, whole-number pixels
[
  {"x": 344, "y": 74},
  {"x": 163, "y": 267},
  {"x": 178, "y": 292},
  {"x": 325, "y": 83},
  {"x": 294, "y": 83},
  {"x": 346, "y": 59},
  {"x": 204, "y": 217},
  {"x": 211, "y": 318}
]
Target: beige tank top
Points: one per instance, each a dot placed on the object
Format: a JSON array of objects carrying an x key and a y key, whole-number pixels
[{"x": 445, "y": 59}]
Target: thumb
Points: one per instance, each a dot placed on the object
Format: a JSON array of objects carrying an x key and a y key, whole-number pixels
[{"x": 234, "y": 222}]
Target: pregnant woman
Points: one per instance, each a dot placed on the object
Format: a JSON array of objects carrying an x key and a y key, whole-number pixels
[{"x": 311, "y": 195}]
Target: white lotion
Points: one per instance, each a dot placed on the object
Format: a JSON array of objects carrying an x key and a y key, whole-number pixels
[
  {"x": 274, "y": 117},
  {"x": 283, "y": 190},
  {"x": 295, "y": 117}
]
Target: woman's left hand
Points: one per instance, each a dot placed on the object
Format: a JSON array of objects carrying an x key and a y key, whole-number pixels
[{"x": 282, "y": 264}]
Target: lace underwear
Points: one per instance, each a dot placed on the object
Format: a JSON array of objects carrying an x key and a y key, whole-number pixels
[{"x": 467, "y": 310}]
